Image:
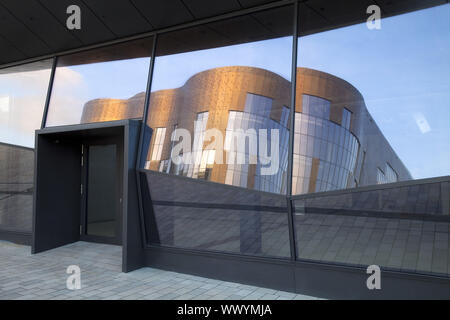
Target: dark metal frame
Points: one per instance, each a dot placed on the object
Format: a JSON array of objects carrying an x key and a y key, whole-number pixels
[
  {"x": 292, "y": 238},
  {"x": 317, "y": 279},
  {"x": 49, "y": 92},
  {"x": 63, "y": 227},
  {"x": 141, "y": 139}
]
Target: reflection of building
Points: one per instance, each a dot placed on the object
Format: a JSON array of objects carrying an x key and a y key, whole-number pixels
[{"x": 337, "y": 144}]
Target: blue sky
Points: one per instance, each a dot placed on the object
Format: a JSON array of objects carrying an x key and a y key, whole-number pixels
[{"x": 274, "y": 55}]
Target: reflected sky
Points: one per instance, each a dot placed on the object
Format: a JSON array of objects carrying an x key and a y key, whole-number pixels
[
  {"x": 403, "y": 73},
  {"x": 274, "y": 55},
  {"x": 76, "y": 85}
]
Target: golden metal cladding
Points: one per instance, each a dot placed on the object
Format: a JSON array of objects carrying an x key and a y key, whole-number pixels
[{"x": 219, "y": 91}]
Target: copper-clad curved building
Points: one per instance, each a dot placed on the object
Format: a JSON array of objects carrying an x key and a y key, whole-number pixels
[{"x": 337, "y": 144}]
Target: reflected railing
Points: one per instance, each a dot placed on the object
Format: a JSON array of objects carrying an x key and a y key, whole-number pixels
[
  {"x": 400, "y": 227},
  {"x": 202, "y": 215},
  {"x": 16, "y": 188}
]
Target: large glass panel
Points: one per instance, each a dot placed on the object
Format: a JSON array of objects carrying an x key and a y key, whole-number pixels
[
  {"x": 242, "y": 81},
  {"x": 394, "y": 109},
  {"x": 388, "y": 92},
  {"x": 222, "y": 91},
  {"x": 23, "y": 90},
  {"x": 102, "y": 84}
]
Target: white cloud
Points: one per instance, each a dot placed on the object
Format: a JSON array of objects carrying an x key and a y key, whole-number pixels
[{"x": 422, "y": 123}]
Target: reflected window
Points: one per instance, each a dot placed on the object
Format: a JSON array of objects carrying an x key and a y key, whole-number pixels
[
  {"x": 102, "y": 84},
  {"x": 324, "y": 152},
  {"x": 250, "y": 123},
  {"x": 258, "y": 104},
  {"x": 316, "y": 106},
  {"x": 158, "y": 144},
  {"x": 391, "y": 175},
  {"x": 381, "y": 177},
  {"x": 346, "y": 118}
]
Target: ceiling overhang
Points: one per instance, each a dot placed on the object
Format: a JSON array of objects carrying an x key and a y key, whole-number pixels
[{"x": 37, "y": 28}]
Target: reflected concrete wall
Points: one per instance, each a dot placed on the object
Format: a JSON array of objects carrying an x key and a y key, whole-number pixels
[
  {"x": 16, "y": 187},
  {"x": 401, "y": 226}
]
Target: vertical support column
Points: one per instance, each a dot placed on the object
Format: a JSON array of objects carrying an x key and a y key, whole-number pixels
[
  {"x": 142, "y": 137},
  {"x": 291, "y": 136},
  {"x": 49, "y": 93}
]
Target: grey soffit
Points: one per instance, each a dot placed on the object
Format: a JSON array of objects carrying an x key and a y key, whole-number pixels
[{"x": 34, "y": 28}]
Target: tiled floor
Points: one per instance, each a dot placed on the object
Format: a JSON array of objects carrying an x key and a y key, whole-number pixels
[{"x": 43, "y": 276}]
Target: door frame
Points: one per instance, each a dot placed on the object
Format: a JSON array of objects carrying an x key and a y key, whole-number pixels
[
  {"x": 85, "y": 145},
  {"x": 57, "y": 180}
]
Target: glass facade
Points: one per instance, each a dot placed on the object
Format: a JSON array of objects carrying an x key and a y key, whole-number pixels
[
  {"x": 371, "y": 108},
  {"x": 387, "y": 93},
  {"x": 229, "y": 92},
  {"x": 224, "y": 97},
  {"x": 23, "y": 92}
]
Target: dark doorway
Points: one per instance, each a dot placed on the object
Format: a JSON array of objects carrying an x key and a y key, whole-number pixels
[
  {"x": 100, "y": 159},
  {"x": 101, "y": 185}
]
